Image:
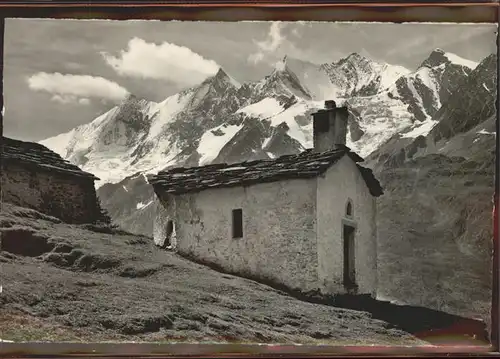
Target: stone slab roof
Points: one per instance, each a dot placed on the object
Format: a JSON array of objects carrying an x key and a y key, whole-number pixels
[
  {"x": 307, "y": 164},
  {"x": 37, "y": 156}
]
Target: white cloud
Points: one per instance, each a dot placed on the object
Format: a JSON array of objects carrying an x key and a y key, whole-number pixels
[
  {"x": 165, "y": 61},
  {"x": 64, "y": 99},
  {"x": 66, "y": 88},
  {"x": 70, "y": 99},
  {"x": 84, "y": 101},
  {"x": 273, "y": 41},
  {"x": 256, "y": 58}
]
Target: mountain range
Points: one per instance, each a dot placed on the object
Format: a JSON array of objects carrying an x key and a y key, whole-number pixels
[
  {"x": 221, "y": 120},
  {"x": 428, "y": 134}
]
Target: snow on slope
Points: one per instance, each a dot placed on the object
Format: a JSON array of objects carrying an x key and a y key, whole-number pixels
[
  {"x": 80, "y": 137},
  {"x": 164, "y": 112},
  {"x": 59, "y": 143},
  {"x": 211, "y": 144},
  {"x": 144, "y": 136},
  {"x": 270, "y": 109},
  {"x": 265, "y": 108},
  {"x": 426, "y": 76},
  {"x": 302, "y": 133},
  {"x": 113, "y": 161},
  {"x": 389, "y": 74},
  {"x": 141, "y": 205},
  {"x": 380, "y": 118},
  {"x": 455, "y": 59},
  {"x": 420, "y": 129}
]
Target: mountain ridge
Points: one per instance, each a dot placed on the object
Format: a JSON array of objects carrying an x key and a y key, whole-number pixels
[{"x": 141, "y": 135}]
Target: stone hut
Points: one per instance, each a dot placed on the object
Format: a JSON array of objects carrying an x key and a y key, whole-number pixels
[
  {"x": 33, "y": 176},
  {"x": 306, "y": 221}
]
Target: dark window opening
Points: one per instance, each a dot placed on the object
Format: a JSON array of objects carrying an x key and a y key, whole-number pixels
[
  {"x": 348, "y": 210},
  {"x": 237, "y": 223},
  {"x": 349, "y": 257},
  {"x": 170, "y": 231}
]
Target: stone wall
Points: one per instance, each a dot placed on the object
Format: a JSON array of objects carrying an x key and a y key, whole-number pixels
[
  {"x": 339, "y": 184},
  {"x": 279, "y": 234},
  {"x": 70, "y": 198}
]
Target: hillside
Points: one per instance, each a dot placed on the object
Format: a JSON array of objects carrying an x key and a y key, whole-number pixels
[
  {"x": 82, "y": 283},
  {"x": 71, "y": 283}
]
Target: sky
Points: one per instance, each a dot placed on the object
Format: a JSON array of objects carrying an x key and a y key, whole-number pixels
[{"x": 59, "y": 74}]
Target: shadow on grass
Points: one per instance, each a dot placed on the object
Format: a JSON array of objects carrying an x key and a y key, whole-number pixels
[{"x": 433, "y": 326}]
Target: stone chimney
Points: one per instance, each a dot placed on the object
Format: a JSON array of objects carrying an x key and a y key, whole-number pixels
[{"x": 330, "y": 127}]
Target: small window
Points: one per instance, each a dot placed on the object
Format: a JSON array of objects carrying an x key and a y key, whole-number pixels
[
  {"x": 237, "y": 223},
  {"x": 348, "y": 210}
]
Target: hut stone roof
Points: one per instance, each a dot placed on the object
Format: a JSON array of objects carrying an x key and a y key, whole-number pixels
[
  {"x": 35, "y": 155},
  {"x": 308, "y": 164}
]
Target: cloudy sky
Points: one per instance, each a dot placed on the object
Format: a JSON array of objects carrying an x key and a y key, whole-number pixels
[{"x": 62, "y": 73}]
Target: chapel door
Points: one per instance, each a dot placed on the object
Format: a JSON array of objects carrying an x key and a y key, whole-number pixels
[{"x": 349, "y": 257}]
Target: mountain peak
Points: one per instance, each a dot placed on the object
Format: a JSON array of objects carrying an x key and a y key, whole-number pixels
[
  {"x": 132, "y": 98},
  {"x": 439, "y": 57},
  {"x": 281, "y": 65},
  {"x": 354, "y": 55},
  {"x": 353, "y": 58},
  {"x": 222, "y": 75}
]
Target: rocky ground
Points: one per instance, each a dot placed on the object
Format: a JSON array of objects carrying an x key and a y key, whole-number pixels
[{"x": 81, "y": 283}]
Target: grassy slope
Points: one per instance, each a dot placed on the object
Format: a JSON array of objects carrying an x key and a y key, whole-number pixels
[
  {"x": 435, "y": 227},
  {"x": 81, "y": 285}
]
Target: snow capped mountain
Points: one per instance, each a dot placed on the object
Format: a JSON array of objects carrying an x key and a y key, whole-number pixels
[
  {"x": 440, "y": 57},
  {"x": 312, "y": 77},
  {"x": 425, "y": 90},
  {"x": 223, "y": 120},
  {"x": 463, "y": 126},
  {"x": 282, "y": 82},
  {"x": 468, "y": 108},
  {"x": 356, "y": 75},
  {"x": 140, "y": 135}
]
